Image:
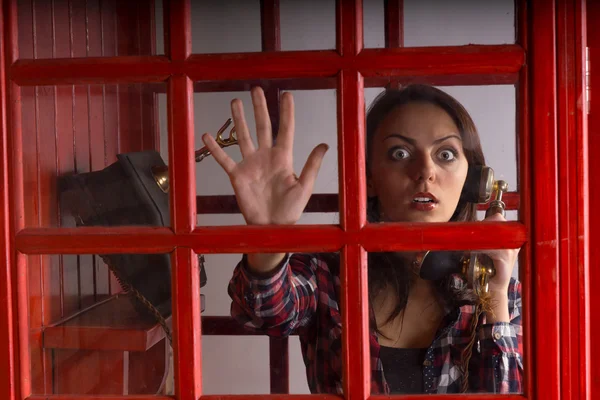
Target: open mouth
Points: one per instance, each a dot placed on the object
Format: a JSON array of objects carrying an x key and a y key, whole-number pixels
[
  {"x": 424, "y": 202},
  {"x": 424, "y": 198}
]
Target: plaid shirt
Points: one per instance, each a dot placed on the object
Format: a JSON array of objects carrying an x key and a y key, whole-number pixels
[{"x": 301, "y": 296}]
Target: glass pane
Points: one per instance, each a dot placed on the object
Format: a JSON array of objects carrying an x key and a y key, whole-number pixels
[
  {"x": 423, "y": 310},
  {"x": 315, "y": 123},
  {"x": 437, "y": 23},
  {"x": 93, "y": 28},
  {"x": 236, "y": 350},
  {"x": 307, "y": 25},
  {"x": 234, "y": 26},
  {"x": 93, "y": 334},
  {"x": 230, "y": 26},
  {"x": 425, "y": 162},
  {"x": 88, "y": 154}
]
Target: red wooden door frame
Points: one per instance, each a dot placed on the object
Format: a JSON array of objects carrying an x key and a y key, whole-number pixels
[{"x": 545, "y": 117}]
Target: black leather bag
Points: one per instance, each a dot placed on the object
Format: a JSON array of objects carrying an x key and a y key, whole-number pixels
[{"x": 126, "y": 194}]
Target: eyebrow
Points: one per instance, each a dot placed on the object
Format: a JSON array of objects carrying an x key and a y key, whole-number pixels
[{"x": 414, "y": 142}]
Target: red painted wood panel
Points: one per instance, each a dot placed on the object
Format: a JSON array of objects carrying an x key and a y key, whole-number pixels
[
  {"x": 88, "y": 371},
  {"x": 96, "y": 122},
  {"x": 593, "y": 37},
  {"x": 39, "y": 358},
  {"x": 8, "y": 338},
  {"x": 65, "y": 149},
  {"x": 68, "y": 129},
  {"x": 142, "y": 377},
  {"x": 573, "y": 200},
  {"x": 109, "y": 101}
]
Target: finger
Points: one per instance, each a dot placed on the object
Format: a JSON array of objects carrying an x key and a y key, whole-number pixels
[
  {"x": 241, "y": 128},
  {"x": 311, "y": 168},
  {"x": 285, "y": 137},
  {"x": 222, "y": 158},
  {"x": 264, "y": 132}
]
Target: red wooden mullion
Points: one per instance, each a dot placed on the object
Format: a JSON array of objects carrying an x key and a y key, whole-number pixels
[
  {"x": 186, "y": 324},
  {"x": 98, "y": 397},
  {"x": 394, "y": 29},
  {"x": 118, "y": 69},
  {"x": 185, "y": 273},
  {"x": 354, "y": 298},
  {"x": 470, "y": 396},
  {"x": 182, "y": 192},
  {"x": 299, "y": 238},
  {"x": 459, "y": 61},
  {"x": 566, "y": 119},
  {"x": 279, "y": 365},
  {"x": 525, "y": 188},
  {"x": 546, "y": 267},
  {"x": 270, "y": 26},
  {"x": 331, "y": 82},
  {"x": 393, "y": 22},
  {"x": 270, "y": 397},
  {"x": 271, "y": 41},
  {"x": 355, "y": 323}
]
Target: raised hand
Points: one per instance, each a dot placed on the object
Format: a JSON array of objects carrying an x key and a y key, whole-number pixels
[{"x": 265, "y": 185}]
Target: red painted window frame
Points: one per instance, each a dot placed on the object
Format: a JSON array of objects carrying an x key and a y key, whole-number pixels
[{"x": 552, "y": 177}]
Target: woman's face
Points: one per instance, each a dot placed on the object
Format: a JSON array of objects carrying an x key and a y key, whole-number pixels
[{"x": 417, "y": 166}]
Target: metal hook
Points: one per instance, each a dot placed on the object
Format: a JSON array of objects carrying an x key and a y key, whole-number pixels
[
  {"x": 203, "y": 152},
  {"x": 161, "y": 173}
]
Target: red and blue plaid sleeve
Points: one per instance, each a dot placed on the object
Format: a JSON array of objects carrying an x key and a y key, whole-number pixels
[
  {"x": 500, "y": 364},
  {"x": 277, "y": 303}
]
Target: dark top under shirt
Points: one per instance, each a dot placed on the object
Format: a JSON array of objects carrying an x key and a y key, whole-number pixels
[{"x": 403, "y": 369}]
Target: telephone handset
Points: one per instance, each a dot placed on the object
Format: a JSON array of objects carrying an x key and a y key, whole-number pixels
[{"x": 480, "y": 187}]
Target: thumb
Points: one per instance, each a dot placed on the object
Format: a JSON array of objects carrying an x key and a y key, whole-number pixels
[{"x": 313, "y": 163}]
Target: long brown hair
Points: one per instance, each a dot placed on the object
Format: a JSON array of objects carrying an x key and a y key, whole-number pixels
[{"x": 386, "y": 269}]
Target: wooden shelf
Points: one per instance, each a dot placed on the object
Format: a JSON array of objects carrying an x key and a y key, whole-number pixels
[
  {"x": 111, "y": 325},
  {"x": 114, "y": 324}
]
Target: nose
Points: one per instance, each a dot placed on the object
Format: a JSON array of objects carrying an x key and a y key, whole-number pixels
[{"x": 423, "y": 169}]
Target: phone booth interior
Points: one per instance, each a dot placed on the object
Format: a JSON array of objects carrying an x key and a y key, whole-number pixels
[{"x": 119, "y": 287}]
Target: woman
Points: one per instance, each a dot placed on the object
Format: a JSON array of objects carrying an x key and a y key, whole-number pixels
[{"x": 420, "y": 143}]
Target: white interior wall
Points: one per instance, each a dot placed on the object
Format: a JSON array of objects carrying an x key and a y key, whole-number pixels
[{"x": 239, "y": 365}]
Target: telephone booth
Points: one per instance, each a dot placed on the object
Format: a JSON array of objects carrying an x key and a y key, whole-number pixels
[{"x": 115, "y": 287}]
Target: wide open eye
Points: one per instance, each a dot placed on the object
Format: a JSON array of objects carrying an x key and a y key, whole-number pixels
[
  {"x": 399, "y": 153},
  {"x": 447, "y": 155}
]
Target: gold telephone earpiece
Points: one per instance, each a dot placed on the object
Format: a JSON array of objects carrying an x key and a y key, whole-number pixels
[
  {"x": 477, "y": 268},
  {"x": 161, "y": 173}
]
